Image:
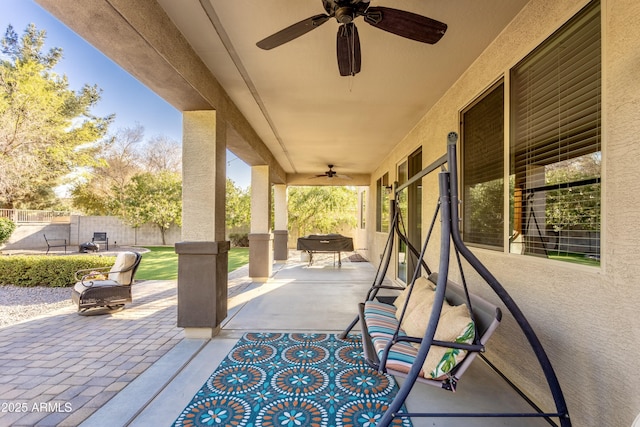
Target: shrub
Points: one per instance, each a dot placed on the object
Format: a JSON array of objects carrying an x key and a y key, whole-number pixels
[
  {"x": 47, "y": 270},
  {"x": 239, "y": 240},
  {"x": 7, "y": 227}
]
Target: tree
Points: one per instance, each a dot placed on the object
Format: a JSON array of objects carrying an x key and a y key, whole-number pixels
[
  {"x": 155, "y": 199},
  {"x": 162, "y": 154},
  {"x": 484, "y": 223},
  {"x": 100, "y": 190},
  {"x": 321, "y": 209},
  {"x": 237, "y": 205},
  {"x": 574, "y": 206},
  {"x": 46, "y": 129}
]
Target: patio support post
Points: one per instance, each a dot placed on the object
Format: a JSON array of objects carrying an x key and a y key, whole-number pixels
[
  {"x": 281, "y": 235},
  {"x": 203, "y": 251},
  {"x": 260, "y": 238}
]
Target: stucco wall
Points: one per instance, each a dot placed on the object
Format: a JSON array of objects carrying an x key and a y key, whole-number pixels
[
  {"x": 586, "y": 317},
  {"x": 81, "y": 229}
]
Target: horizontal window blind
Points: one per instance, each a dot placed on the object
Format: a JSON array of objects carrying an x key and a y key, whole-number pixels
[
  {"x": 483, "y": 170},
  {"x": 483, "y": 132},
  {"x": 555, "y": 95},
  {"x": 555, "y": 142}
]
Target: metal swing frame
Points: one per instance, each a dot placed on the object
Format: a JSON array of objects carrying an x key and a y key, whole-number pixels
[
  {"x": 450, "y": 232},
  {"x": 394, "y": 230}
]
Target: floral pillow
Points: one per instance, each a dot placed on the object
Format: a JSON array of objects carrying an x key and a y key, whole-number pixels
[{"x": 455, "y": 325}]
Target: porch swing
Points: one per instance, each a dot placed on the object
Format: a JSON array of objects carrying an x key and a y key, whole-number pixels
[
  {"x": 396, "y": 229},
  {"x": 389, "y": 348}
]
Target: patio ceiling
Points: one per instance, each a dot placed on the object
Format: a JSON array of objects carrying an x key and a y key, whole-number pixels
[
  {"x": 293, "y": 97},
  {"x": 305, "y": 112}
]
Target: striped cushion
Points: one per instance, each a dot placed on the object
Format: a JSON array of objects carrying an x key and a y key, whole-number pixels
[
  {"x": 401, "y": 356},
  {"x": 379, "y": 308},
  {"x": 381, "y": 319},
  {"x": 382, "y": 324}
]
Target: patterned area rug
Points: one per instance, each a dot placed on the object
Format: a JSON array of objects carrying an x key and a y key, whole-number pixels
[{"x": 291, "y": 380}]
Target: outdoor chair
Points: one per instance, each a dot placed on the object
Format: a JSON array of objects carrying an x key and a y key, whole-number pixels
[
  {"x": 101, "y": 237},
  {"x": 108, "y": 289},
  {"x": 55, "y": 243}
]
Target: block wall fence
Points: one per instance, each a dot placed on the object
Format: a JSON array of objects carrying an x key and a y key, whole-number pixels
[{"x": 80, "y": 229}]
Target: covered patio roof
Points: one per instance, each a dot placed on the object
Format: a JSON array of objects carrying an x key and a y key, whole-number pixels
[{"x": 289, "y": 107}]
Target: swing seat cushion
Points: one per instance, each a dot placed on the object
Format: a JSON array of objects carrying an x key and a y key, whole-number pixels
[
  {"x": 454, "y": 326},
  {"x": 381, "y": 325}
]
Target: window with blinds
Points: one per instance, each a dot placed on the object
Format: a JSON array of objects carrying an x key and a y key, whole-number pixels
[
  {"x": 483, "y": 170},
  {"x": 555, "y": 144}
]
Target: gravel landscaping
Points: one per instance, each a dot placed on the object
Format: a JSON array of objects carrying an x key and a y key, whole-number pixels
[{"x": 18, "y": 303}]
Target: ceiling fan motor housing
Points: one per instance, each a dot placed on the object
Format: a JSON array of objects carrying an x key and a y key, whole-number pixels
[
  {"x": 345, "y": 11},
  {"x": 344, "y": 15}
]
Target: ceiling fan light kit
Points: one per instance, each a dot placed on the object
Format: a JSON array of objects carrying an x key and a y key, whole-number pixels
[{"x": 399, "y": 22}]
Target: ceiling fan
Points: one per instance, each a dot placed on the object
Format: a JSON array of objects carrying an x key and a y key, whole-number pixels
[
  {"x": 331, "y": 174},
  {"x": 399, "y": 22}
]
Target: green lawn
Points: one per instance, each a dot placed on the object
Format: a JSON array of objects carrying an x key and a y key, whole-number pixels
[
  {"x": 575, "y": 258},
  {"x": 162, "y": 262}
]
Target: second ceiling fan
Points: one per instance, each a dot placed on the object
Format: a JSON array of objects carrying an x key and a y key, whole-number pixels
[
  {"x": 331, "y": 174},
  {"x": 399, "y": 22}
]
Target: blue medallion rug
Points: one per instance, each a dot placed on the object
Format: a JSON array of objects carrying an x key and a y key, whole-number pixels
[{"x": 291, "y": 380}]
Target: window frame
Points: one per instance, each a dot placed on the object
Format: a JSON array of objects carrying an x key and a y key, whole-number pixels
[
  {"x": 560, "y": 88},
  {"x": 567, "y": 34},
  {"x": 499, "y": 84}
]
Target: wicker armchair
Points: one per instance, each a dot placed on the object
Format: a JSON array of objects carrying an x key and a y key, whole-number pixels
[{"x": 106, "y": 290}]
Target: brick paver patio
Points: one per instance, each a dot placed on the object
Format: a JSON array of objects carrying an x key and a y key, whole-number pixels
[{"x": 60, "y": 368}]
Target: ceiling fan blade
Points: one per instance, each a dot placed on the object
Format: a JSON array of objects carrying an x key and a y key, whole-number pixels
[
  {"x": 406, "y": 24},
  {"x": 293, "y": 31},
  {"x": 348, "y": 49}
]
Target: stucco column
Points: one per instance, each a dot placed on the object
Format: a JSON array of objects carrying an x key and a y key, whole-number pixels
[
  {"x": 203, "y": 251},
  {"x": 260, "y": 238},
  {"x": 280, "y": 233}
]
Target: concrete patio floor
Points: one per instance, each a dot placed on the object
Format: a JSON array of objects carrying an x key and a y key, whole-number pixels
[{"x": 136, "y": 368}]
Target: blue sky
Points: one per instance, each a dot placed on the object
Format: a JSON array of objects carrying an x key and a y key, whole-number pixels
[{"x": 122, "y": 95}]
